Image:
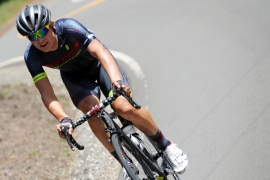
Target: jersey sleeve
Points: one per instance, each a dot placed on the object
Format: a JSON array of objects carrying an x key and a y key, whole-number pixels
[
  {"x": 34, "y": 64},
  {"x": 74, "y": 31}
]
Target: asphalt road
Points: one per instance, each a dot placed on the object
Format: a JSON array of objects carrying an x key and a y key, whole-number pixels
[{"x": 204, "y": 74}]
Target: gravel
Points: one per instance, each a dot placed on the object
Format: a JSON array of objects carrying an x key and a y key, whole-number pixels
[{"x": 92, "y": 163}]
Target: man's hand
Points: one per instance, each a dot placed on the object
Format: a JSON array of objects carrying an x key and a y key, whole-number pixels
[
  {"x": 122, "y": 85},
  {"x": 67, "y": 124}
]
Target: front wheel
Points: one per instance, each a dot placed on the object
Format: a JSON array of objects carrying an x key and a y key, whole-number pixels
[
  {"x": 119, "y": 151},
  {"x": 142, "y": 167}
]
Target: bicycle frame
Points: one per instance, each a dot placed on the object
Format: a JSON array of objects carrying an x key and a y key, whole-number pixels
[
  {"x": 96, "y": 109},
  {"x": 114, "y": 129},
  {"x": 147, "y": 161}
]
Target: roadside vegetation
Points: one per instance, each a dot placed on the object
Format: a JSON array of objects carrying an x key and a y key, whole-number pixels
[{"x": 10, "y": 8}]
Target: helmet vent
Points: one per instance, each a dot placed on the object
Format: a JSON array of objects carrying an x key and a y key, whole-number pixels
[
  {"x": 32, "y": 18},
  {"x": 28, "y": 22}
]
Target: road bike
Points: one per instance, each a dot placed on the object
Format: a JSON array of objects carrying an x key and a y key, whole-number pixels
[{"x": 150, "y": 162}]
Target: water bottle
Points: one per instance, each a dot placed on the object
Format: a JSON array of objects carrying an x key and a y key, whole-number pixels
[
  {"x": 129, "y": 130},
  {"x": 132, "y": 134}
]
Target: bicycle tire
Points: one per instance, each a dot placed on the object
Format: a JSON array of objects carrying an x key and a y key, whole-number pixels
[
  {"x": 118, "y": 149},
  {"x": 152, "y": 149},
  {"x": 143, "y": 161},
  {"x": 107, "y": 120},
  {"x": 110, "y": 124}
]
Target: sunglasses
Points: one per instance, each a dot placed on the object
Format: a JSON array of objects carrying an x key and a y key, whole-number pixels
[{"x": 40, "y": 33}]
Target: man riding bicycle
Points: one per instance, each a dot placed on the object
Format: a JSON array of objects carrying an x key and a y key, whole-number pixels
[{"x": 86, "y": 67}]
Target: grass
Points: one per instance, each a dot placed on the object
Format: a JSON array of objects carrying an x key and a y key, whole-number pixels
[
  {"x": 8, "y": 89},
  {"x": 33, "y": 153},
  {"x": 10, "y": 9},
  {"x": 4, "y": 92},
  {"x": 67, "y": 153}
]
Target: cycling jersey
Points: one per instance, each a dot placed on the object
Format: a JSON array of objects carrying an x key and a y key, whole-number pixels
[
  {"x": 71, "y": 55},
  {"x": 81, "y": 73}
]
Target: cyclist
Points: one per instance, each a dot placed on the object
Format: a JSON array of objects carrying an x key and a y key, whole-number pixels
[{"x": 86, "y": 67}]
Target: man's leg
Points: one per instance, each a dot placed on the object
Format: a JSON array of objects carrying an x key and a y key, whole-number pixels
[
  {"x": 96, "y": 124},
  {"x": 142, "y": 120},
  {"x": 85, "y": 94}
]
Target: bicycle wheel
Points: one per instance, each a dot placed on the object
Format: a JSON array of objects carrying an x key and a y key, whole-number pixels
[
  {"x": 145, "y": 167},
  {"x": 148, "y": 168},
  {"x": 158, "y": 156},
  {"x": 118, "y": 149}
]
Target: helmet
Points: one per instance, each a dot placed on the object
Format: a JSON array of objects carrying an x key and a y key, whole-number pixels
[{"x": 32, "y": 18}]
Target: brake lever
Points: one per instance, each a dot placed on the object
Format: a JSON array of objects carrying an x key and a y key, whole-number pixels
[
  {"x": 70, "y": 140},
  {"x": 65, "y": 132},
  {"x": 133, "y": 103}
]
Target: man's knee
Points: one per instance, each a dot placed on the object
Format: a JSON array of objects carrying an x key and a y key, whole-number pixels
[
  {"x": 88, "y": 103},
  {"x": 123, "y": 110},
  {"x": 126, "y": 111}
]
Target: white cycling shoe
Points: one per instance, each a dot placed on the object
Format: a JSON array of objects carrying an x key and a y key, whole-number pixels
[{"x": 177, "y": 158}]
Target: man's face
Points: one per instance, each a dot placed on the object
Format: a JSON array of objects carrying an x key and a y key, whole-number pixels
[{"x": 47, "y": 43}]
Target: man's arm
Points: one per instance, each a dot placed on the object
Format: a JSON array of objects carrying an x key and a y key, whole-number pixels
[
  {"x": 49, "y": 99},
  {"x": 98, "y": 51}
]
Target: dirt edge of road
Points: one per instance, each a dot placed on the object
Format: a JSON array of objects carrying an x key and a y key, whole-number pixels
[{"x": 29, "y": 143}]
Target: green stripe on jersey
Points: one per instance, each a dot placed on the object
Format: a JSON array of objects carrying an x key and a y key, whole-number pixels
[{"x": 39, "y": 77}]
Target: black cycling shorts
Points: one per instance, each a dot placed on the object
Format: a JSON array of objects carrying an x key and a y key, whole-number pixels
[{"x": 89, "y": 82}]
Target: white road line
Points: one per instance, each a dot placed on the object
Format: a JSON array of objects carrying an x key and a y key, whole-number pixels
[
  {"x": 11, "y": 61},
  {"x": 129, "y": 61},
  {"x": 76, "y": 1},
  {"x": 133, "y": 65}
]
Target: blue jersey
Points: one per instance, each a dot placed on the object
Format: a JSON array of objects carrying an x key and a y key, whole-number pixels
[{"x": 71, "y": 55}]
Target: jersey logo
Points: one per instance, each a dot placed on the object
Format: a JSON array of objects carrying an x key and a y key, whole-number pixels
[
  {"x": 67, "y": 47},
  {"x": 72, "y": 54}
]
